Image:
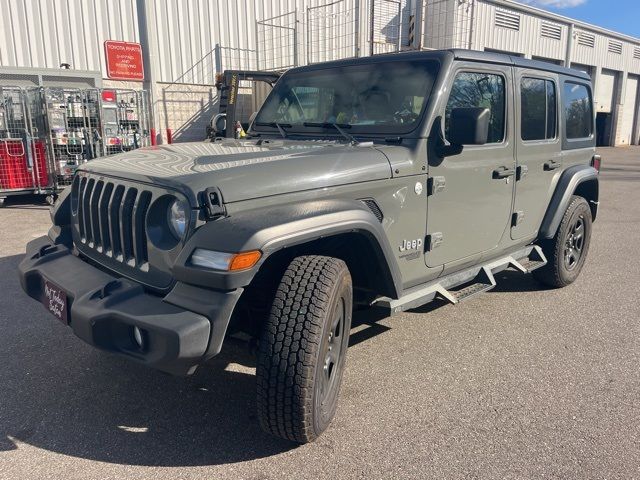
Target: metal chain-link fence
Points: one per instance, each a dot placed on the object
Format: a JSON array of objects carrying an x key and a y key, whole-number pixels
[
  {"x": 277, "y": 42},
  {"x": 448, "y": 23},
  {"x": 332, "y": 31},
  {"x": 386, "y": 26}
]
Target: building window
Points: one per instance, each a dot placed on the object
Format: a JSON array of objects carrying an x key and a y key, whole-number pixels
[
  {"x": 615, "y": 47},
  {"x": 636, "y": 53},
  {"x": 505, "y": 19},
  {"x": 537, "y": 109},
  {"x": 486, "y": 90},
  {"x": 578, "y": 112}
]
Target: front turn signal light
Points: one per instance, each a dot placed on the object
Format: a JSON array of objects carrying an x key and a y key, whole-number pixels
[
  {"x": 245, "y": 260},
  {"x": 229, "y": 262}
]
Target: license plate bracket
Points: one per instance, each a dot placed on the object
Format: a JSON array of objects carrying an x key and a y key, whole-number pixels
[{"x": 55, "y": 300}]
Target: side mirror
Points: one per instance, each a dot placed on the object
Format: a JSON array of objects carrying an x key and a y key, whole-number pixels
[{"x": 469, "y": 126}]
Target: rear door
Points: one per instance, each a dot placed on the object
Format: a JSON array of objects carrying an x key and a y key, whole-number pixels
[
  {"x": 468, "y": 213},
  {"x": 538, "y": 149}
]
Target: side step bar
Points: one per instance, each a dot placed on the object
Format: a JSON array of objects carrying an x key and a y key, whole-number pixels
[{"x": 471, "y": 282}]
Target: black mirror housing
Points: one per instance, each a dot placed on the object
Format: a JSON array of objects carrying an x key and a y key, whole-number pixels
[{"x": 469, "y": 126}]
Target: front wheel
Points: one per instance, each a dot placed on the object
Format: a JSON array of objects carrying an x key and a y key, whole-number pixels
[
  {"x": 303, "y": 348},
  {"x": 567, "y": 251}
]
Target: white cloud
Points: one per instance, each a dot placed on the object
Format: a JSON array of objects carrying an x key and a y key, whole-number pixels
[{"x": 554, "y": 3}]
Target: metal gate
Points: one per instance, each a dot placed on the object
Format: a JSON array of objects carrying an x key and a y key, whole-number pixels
[
  {"x": 385, "y": 26},
  {"x": 23, "y": 157},
  {"x": 277, "y": 42},
  {"x": 332, "y": 31}
]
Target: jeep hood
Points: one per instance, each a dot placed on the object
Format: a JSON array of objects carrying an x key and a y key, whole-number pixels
[{"x": 244, "y": 170}]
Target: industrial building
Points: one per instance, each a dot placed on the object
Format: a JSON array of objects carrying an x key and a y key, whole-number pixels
[{"x": 184, "y": 43}]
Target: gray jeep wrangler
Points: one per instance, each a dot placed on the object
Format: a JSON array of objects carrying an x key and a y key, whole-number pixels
[{"x": 388, "y": 181}]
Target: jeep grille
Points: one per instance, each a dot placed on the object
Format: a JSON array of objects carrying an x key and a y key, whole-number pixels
[
  {"x": 109, "y": 227},
  {"x": 111, "y": 220}
]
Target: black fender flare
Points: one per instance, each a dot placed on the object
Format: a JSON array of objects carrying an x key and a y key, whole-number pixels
[
  {"x": 570, "y": 181},
  {"x": 271, "y": 229}
]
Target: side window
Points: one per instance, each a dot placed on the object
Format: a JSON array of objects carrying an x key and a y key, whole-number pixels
[
  {"x": 471, "y": 89},
  {"x": 537, "y": 109},
  {"x": 578, "y": 111}
]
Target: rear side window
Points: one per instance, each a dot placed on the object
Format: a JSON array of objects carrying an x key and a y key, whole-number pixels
[
  {"x": 537, "y": 109},
  {"x": 578, "y": 111},
  {"x": 471, "y": 89}
]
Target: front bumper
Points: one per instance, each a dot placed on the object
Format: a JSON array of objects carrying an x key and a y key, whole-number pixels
[{"x": 180, "y": 331}]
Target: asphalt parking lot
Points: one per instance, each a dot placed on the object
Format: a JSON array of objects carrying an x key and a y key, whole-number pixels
[{"x": 520, "y": 382}]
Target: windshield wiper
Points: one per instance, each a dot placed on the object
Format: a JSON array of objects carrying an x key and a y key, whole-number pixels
[
  {"x": 338, "y": 127},
  {"x": 279, "y": 126}
]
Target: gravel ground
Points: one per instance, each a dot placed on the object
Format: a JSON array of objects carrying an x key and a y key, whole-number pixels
[{"x": 520, "y": 382}]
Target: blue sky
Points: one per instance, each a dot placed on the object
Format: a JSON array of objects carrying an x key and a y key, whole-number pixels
[{"x": 620, "y": 15}]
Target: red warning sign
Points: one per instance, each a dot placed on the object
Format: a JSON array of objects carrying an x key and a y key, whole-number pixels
[{"x": 124, "y": 60}]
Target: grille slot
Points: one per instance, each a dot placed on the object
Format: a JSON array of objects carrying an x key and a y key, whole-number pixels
[
  {"x": 111, "y": 220},
  {"x": 374, "y": 207},
  {"x": 114, "y": 222}
]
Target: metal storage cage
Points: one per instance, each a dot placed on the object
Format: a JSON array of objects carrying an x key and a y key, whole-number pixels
[
  {"x": 24, "y": 166},
  {"x": 69, "y": 120},
  {"x": 125, "y": 120}
]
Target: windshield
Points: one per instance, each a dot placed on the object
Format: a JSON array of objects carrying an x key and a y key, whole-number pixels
[{"x": 374, "y": 98}]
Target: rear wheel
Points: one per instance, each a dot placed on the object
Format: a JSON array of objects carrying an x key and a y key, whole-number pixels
[
  {"x": 303, "y": 348},
  {"x": 567, "y": 251}
]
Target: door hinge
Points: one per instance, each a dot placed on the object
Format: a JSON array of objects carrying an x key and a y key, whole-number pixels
[
  {"x": 522, "y": 172},
  {"x": 434, "y": 241},
  {"x": 435, "y": 185},
  {"x": 517, "y": 218}
]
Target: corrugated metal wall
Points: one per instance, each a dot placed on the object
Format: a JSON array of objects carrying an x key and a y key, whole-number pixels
[
  {"x": 527, "y": 40},
  {"x": 189, "y": 41},
  {"x": 47, "y": 33}
]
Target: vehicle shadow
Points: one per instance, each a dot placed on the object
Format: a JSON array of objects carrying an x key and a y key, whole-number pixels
[
  {"x": 29, "y": 202},
  {"x": 61, "y": 395},
  {"x": 513, "y": 281}
]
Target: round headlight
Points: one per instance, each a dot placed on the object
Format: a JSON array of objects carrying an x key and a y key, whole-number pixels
[{"x": 177, "y": 218}]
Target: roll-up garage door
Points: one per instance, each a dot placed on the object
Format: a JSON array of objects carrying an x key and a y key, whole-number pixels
[
  {"x": 605, "y": 86},
  {"x": 629, "y": 110}
]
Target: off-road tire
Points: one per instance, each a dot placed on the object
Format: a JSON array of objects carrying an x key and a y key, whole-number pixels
[
  {"x": 559, "y": 272},
  {"x": 297, "y": 392}
]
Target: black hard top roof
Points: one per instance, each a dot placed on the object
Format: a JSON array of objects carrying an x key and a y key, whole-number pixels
[
  {"x": 506, "y": 59},
  {"x": 457, "y": 54}
]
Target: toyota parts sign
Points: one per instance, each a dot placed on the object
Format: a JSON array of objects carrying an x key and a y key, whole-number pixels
[{"x": 124, "y": 60}]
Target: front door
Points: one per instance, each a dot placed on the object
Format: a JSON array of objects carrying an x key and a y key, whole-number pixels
[{"x": 469, "y": 206}]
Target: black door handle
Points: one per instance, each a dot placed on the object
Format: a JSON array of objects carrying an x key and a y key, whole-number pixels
[
  {"x": 504, "y": 172},
  {"x": 551, "y": 165}
]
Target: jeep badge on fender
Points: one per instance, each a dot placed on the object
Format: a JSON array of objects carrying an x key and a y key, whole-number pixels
[
  {"x": 160, "y": 253},
  {"x": 411, "y": 245}
]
